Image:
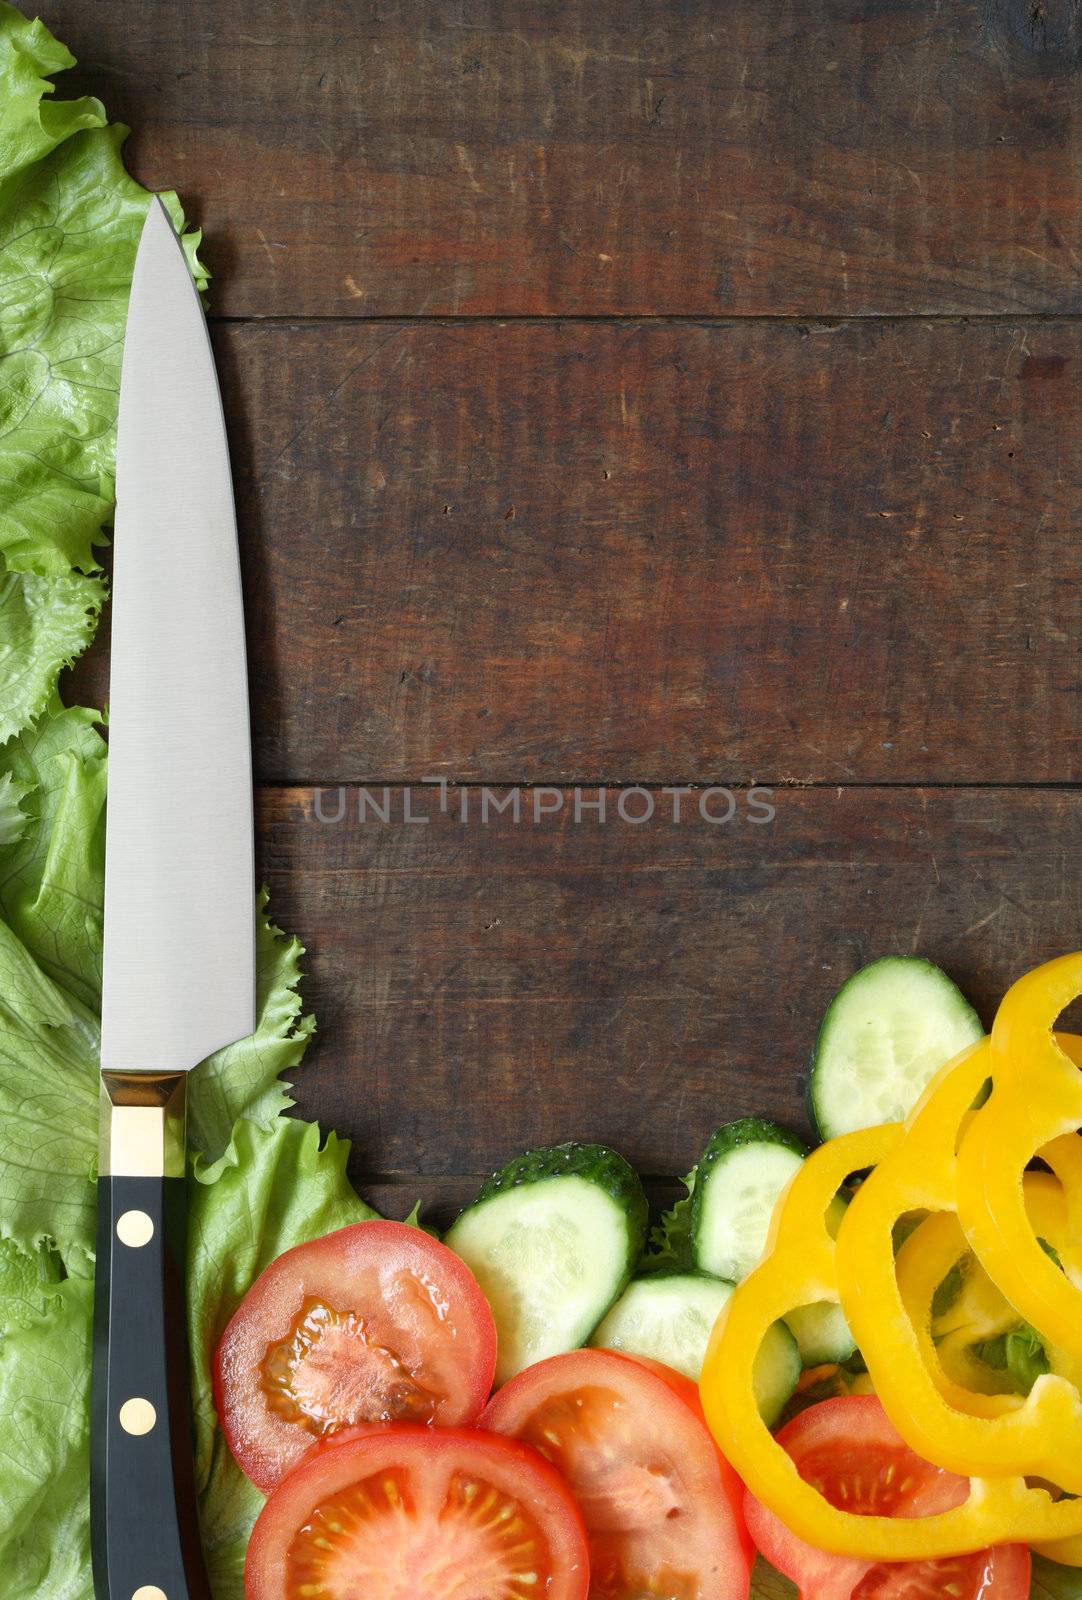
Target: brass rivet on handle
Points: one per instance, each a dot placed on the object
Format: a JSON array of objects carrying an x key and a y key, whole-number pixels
[
  {"x": 134, "y": 1228},
  {"x": 137, "y": 1416},
  {"x": 149, "y": 1591}
]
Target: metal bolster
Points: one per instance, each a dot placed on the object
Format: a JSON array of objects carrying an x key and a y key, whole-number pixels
[{"x": 142, "y": 1124}]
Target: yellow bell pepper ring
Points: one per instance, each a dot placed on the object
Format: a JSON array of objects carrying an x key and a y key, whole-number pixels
[
  {"x": 935, "y": 1249},
  {"x": 1036, "y": 1100},
  {"x": 1068, "y": 1552},
  {"x": 1064, "y": 1156},
  {"x": 979, "y": 1312},
  {"x": 989, "y": 1436},
  {"x": 799, "y": 1268}
]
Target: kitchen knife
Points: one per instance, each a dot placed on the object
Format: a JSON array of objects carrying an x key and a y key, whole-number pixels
[{"x": 179, "y": 963}]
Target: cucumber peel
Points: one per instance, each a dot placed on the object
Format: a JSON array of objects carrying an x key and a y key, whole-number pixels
[
  {"x": 598, "y": 1164},
  {"x": 738, "y": 1178},
  {"x": 552, "y": 1238},
  {"x": 883, "y": 1037}
]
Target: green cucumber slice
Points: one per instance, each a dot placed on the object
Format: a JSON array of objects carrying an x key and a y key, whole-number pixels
[
  {"x": 552, "y": 1239},
  {"x": 822, "y": 1334},
  {"x": 670, "y": 1319},
  {"x": 738, "y": 1179},
  {"x": 776, "y": 1373},
  {"x": 884, "y": 1036}
]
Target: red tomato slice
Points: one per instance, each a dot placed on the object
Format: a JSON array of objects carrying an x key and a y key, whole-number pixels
[
  {"x": 661, "y": 1505},
  {"x": 375, "y": 1323},
  {"x": 849, "y": 1449},
  {"x": 403, "y": 1512}
]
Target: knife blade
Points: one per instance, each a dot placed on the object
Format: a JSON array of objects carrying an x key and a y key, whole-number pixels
[{"x": 179, "y": 946}]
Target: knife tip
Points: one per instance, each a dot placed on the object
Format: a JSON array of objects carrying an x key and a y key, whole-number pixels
[{"x": 158, "y": 217}]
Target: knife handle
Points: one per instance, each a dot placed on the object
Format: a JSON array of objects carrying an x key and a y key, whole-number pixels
[{"x": 144, "y": 1521}]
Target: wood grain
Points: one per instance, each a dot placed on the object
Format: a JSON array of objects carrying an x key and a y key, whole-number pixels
[
  {"x": 673, "y": 553},
  {"x": 441, "y": 1199},
  {"x": 699, "y": 545},
  {"x": 416, "y": 157},
  {"x": 483, "y": 987}
]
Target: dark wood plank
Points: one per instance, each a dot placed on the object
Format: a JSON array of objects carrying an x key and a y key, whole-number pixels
[
  {"x": 534, "y": 156},
  {"x": 675, "y": 552},
  {"x": 441, "y": 1199},
  {"x": 485, "y": 987}
]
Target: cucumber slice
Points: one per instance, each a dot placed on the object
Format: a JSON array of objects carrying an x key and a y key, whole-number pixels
[
  {"x": 884, "y": 1036},
  {"x": 822, "y": 1334},
  {"x": 738, "y": 1179},
  {"x": 670, "y": 1319},
  {"x": 776, "y": 1373},
  {"x": 552, "y": 1240}
]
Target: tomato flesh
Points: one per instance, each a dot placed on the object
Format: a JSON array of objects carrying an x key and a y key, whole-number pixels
[
  {"x": 342, "y": 1549},
  {"x": 328, "y": 1373},
  {"x": 1000, "y": 1571},
  {"x": 403, "y": 1512},
  {"x": 377, "y": 1322},
  {"x": 849, "y": 1450},
  {"x": 661, "y": 1506}
]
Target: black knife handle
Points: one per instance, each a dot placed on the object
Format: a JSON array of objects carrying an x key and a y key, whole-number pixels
[{"x": 144, "y": 1521}]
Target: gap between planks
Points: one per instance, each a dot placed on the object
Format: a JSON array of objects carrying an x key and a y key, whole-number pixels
[
  {"x": 662, "y": 786},
  {"x": 688, "y": 319}
]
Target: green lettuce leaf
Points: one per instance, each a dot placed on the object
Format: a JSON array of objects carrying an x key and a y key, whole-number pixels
[
  {"x": 669, "y": 1248},
  {"x": 271, "y": 1189},
  {"x": 1019, "y": 1355},
  {"x": 30, "y": 130},
  {"x": 766, "y": 1584},
  {"x": 26, "y": 1284},
  {"x": 52, "y": 879},
  {"x": 1053, "y": 1582},
  {"x": 70, "y": 218},
  {"x": 44, "y": 624},
  {"x": 245, "y": 1079},
  {"x": 48, "y": 1110},
  {"x": 44, "y": 1434},
  {"x": 13, "y": 820}
]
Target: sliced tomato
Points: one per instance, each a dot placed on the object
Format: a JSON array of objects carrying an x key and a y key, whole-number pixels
[
  {"x": 404, "y": 1512},
  {"x": 375, "y": 1323},
  {"x": 662, "y": 1507},
  {"x": 848, "y": 1448}
]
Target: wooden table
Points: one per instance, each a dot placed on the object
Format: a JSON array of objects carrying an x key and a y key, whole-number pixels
[{"x": 639, "y": 393}]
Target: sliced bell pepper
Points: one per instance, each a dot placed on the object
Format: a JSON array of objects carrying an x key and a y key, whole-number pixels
[
  {"x": 1036, "y": 1101},
  {"x": 927, "y": 1258},
  {"x": 979, "y": 1312},
  {"x": 1064, "y": 1156},
  {"x": 799, "y": 1267},
  {"x": 996, "y": 1436}
]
